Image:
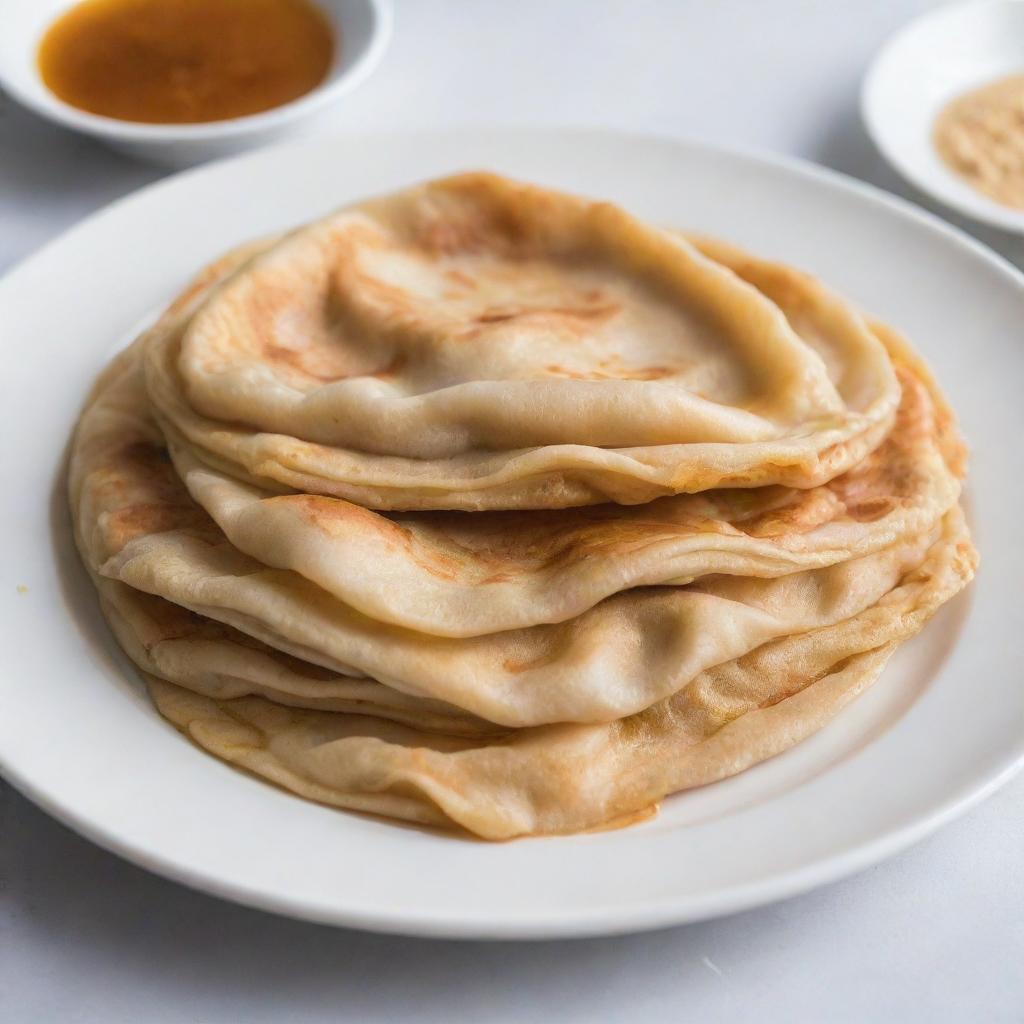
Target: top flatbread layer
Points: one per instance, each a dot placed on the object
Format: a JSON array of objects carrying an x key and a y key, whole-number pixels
[{"x": 474, "y": 343}]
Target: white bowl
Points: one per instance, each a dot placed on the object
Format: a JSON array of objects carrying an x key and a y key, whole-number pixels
[
  {"x": 364, "y": 27},
  {"x": 926, "y": 64}
]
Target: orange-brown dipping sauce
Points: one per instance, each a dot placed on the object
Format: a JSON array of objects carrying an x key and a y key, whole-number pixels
[{"x": 185, "y": 61}]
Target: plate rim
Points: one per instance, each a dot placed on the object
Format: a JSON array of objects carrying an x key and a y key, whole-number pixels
[
  {"x": 594, "y": 920},
  {"x": 590, "y": 923}
]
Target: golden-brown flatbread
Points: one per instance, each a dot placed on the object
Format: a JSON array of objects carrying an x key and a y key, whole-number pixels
[
  {"x": 139, "y": 526},
  {"x": 474, "y": 343},
  {"x": 565, "y": 778},
  {"x": 348, "y": 505}
]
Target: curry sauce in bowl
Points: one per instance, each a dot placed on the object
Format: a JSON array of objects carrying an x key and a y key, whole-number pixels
[
  {"x": 186, "y": 61},
  {"x": 180, "y": 81}
]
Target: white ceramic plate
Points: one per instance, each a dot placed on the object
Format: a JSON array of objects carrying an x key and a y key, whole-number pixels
[
  {"x": 942, "y": 727},
  {"x": 932, "y": 60}
]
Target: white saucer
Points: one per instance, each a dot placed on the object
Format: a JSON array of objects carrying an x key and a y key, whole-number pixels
[{"x": 928, "y": 63}]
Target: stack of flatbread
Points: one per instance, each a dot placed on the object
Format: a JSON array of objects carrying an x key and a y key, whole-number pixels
[{"x": 485, "y": 506}]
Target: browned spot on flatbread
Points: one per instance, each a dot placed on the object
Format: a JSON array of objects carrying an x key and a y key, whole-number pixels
[
  {"x": 296, "y": 361},
  {"x": 334, "y": 515},
  {"x": 143, "y": 519},
  {"x": 301, "y": 362},
  {"x": 806, "y": 511},
  {"x": 269, "y": 307},
  {"x": 874, "y": 487},
  {"x": 502, "y": 545},
  {"x": 792, "y": 691},
  {"x": 438, "y": 564},
  {"x": 497, "y": 577},
  {"x": 891, "y": 471},
  {"x": 566, "y": 321},
  {"x": 869, "y": 511},
  {"x": 516, "y": 666},
  {"x": 623, "y": 373},
  {"x": 599, "y": 312},
  {"x": 376, "y": 294},
  {"x": 778, "y": 698},
  {"x": 138, "y": 487}
]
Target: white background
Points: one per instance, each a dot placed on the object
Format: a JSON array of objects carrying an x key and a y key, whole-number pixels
[{"x": 936, "y": 934}]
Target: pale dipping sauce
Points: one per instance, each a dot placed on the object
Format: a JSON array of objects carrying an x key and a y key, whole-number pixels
[{"x": 980, "y": 136}]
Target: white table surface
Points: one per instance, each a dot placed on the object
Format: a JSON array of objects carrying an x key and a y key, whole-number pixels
[{"x": 936, "y": 934}]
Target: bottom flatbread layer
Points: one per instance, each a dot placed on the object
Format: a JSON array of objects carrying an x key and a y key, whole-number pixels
[{"x": 570, "y": 777}]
